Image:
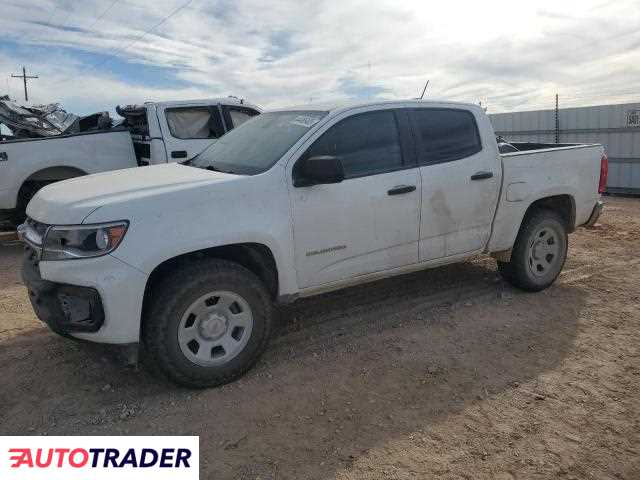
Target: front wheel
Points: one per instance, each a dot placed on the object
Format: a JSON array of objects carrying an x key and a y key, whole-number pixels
[
  {"x": 539, "y": 252},
  {"x": 207, "y": 323}
]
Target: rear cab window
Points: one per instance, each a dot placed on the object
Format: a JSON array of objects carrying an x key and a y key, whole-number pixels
[
  {"x": 194, "y": 122},
  {"x": 445, "y": 134}
]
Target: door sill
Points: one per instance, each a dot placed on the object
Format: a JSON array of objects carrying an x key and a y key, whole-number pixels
[{"x": 371, "y": 277}]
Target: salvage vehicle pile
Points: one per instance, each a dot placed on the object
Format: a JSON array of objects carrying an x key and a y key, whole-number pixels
[
  {"x": 46, "y": 120},
  {"x": 46, "y": 144}
]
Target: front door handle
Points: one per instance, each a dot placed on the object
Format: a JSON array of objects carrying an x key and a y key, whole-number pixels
[
  {"x": 481, "y": 175},
  {"x": 179, "y": 154},
  {"x": 401, "y": 189}
]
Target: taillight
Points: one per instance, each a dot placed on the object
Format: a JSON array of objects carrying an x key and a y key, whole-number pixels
[{"x": 604, "y": 172}]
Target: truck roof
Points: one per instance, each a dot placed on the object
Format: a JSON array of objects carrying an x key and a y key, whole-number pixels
[
  {"x": 207, "y": 101},
  {"x": 335, "y": 108}
]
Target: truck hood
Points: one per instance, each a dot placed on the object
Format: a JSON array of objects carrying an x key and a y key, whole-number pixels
[{"x": 71, "y": 201}]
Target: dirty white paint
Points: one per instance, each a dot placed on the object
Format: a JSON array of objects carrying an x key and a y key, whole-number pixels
[{"x": 322, "y": 237}]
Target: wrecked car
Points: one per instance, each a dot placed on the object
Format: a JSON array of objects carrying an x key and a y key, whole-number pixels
[
  {"x": 47, "y": 144},
  {"x": 38, "y": 121}
]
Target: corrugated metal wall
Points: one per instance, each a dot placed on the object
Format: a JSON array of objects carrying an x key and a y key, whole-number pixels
[{"x": 617, "y": 127}]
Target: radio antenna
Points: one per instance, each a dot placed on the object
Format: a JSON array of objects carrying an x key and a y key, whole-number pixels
[{"x": 424, "y": 90}]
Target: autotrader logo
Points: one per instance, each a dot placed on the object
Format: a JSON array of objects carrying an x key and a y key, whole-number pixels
[
  {"x": 68, "y": 458},
  {"x": 100, "y": 458}
]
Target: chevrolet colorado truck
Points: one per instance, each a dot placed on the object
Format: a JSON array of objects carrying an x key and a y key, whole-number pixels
[
  {"x": 151, "y": 133},
  {"x": 189, "y": 259}
]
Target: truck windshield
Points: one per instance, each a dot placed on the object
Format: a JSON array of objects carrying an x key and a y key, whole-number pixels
[{"x": 258, "y": 144}]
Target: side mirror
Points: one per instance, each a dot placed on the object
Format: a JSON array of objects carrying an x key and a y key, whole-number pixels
[{"x": 318, "y": 171}]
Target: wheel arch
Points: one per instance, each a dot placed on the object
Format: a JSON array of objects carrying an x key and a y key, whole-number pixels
[
  {"x": 60, "y": 172},
  {"x": 564, "y": 205},
  {"x": 255, "y": 257},
  {"x": 51, "y": 174},
  {"x": 29, "y": 186},
  {"x": 510, "y": 224}
]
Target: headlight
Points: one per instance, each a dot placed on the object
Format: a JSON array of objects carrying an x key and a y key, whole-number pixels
[{"x": 82, "y": 241}]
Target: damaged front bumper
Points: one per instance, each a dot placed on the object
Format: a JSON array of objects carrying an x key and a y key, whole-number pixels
[
  {"x": 95, "y": 299},
  {"x": 66, "y": 309}
]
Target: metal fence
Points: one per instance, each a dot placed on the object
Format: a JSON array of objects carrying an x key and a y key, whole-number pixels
[{"x": 617, "y": 127}]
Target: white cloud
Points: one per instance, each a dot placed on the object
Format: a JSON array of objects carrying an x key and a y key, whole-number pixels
[{"x": 510, "y": 55}]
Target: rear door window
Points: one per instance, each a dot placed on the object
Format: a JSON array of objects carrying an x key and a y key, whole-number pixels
[
  {"x": 194, "y": 122},
  {"x": 445, "y": 135}
]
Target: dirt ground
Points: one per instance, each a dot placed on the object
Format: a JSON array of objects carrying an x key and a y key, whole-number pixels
[{"x": 449, "y": 373}]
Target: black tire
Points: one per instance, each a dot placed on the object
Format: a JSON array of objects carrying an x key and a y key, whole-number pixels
[
  {"x": 528, "y": 269},
  {"x": 26, "y": 193},
  {"x": 172, "y": 298}
]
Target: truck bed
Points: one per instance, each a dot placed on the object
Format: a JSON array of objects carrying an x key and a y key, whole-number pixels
[
  {"x": 10, "y": 139},
  {"x": 528, "y": 146},
  {"x": 545, "y": 170},
  {"x": 51, "y": 158}
]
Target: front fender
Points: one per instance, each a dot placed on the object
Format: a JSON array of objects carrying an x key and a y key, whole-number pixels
[{"x": 168, "y": 226}]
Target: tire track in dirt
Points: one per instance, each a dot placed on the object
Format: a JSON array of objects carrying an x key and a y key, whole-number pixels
[
  {"x": 587, "y": 271},
  {"x": 341, "y": 318},
  {"x": 335, "y": 319}
]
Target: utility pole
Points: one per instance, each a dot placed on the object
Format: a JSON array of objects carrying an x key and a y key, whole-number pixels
[
  {"x": 368, "y": 80},
  {"x": 24, "y": 78}
]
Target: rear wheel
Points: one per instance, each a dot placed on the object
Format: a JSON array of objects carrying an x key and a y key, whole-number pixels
[
  {"x": 208, "y": 323},
  {"x": 539, "y": 252},
  {"x": 26, "y": 193}
]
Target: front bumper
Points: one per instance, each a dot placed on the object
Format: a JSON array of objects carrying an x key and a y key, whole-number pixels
[
  {"x": 95, "y": 299},
  {"x": 64, "y": 308},
  {"x": 595, "y": 214}
]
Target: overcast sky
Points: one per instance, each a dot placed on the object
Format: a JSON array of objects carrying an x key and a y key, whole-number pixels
[{"x": 511, "y": 55}]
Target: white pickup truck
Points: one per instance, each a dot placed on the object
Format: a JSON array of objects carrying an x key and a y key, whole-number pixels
[
  {"x": 151, "y": 133},
  {"x": 189, "y": 258}
]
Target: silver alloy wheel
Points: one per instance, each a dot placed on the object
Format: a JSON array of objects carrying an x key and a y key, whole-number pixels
[
  {"x": 544, "y": 251},
  {"x": 215, "y": 328}
]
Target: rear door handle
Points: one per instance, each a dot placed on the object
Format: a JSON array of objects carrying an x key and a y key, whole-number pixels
[
  {"x": 481, "y": 175},
  {"x": 179, "y": 154},
  {"x": 401, "y": 189}
]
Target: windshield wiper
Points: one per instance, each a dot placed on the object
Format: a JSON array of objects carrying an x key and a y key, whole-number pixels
[
  {"x": 189, "y": 161},
  {"x": 211, "y": 168}
]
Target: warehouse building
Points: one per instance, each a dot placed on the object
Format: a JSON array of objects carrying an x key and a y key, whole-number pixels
[{"x": 617, "y": 127}]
